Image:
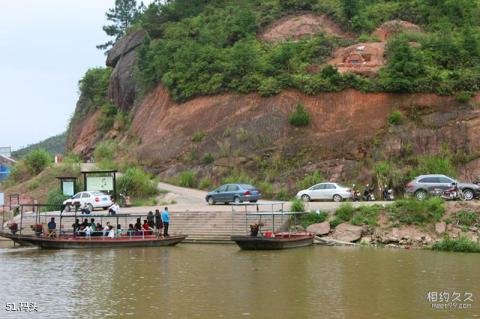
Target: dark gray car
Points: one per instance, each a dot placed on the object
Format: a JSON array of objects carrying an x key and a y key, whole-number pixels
[
  {"x": 236, "y": 193},
  {"x": 433, "y": 185}
]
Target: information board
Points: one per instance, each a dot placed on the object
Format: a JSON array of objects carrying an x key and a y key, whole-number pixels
[
  {"x": 68, "y": 188},
  {"x": 96, "y": 183},
  {"x": 2, "y": 199}
]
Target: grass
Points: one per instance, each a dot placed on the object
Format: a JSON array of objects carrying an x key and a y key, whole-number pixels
[
  {"x": 309, "y": 180},
  {"x": 150, "y": 201},
  {"x": 466, "y": 218},
  {"x": 312, "y": 218},
  {"x": 462, "y": 244},
  {"x": 297, "y": 206},
  {"x": 300, "y": 117},
  {"x": 413, "y": 212},
  {"x": 198, "y": 137},
  {"x": 187, "y": 179},
  {"x": 205, "y": 183},
  {"x": 363, "y": 215}
]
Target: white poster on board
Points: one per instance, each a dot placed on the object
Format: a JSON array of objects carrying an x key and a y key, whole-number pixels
[
  {"x": 68, "y": 188},
  {"x": 2, "y": 199},
  {"x": 103, "y": 183}
]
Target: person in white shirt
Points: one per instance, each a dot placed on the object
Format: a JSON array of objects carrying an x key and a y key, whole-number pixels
[
  {"x": 114, "y": 209},
  {"x": 111, "y": 233},
  {"x": 106, "y": 229},
  {"x": 88, "y": 231}
]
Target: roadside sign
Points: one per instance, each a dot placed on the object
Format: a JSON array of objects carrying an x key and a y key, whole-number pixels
[{"x": 2, "y": 198}]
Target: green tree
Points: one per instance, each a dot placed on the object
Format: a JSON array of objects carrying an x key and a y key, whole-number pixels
[
  {"x": 350, "y": 8},
  {"x": 123, "y": 15},
  {"x": 36, "y": 161}
]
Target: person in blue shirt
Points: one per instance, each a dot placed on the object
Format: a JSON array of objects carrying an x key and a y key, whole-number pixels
[
  {"x": 166, "y": 221},
  {"x": 52, "y": 226}
]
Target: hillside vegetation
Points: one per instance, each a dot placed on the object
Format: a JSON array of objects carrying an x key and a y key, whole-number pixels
[
  {"x": 53, "y": 145},
  {"x": 197, "y": 47}
]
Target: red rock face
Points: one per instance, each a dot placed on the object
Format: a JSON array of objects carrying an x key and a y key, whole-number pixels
[{"x": 343, "y": 128}]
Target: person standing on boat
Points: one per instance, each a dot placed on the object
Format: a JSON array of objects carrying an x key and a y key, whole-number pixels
[
  {"x": 52, "y": 226},
  {"x": 166, "y": 221},
  {"x": 150, "y": 219},
  {"x": 106, "y": 229},
  {"x": 158, "y": 221}
]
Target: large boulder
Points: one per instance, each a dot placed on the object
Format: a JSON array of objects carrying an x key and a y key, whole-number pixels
[
  {"x": 319, "y": 229},
  {"x": 123, "y": 88},
  {"x": 124, "y": 46},
  {"x": 440, "y": 228},
  {"x": 347, "y": 232}
]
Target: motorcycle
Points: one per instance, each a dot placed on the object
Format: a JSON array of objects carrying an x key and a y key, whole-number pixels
[
  {"x": 356, "y": 196},
  {"x": 124, "y": 200},
  {"x": 368, "y": 194},
  {"x": 388, "y": 194},
  {"x": 453, "y": 193}
]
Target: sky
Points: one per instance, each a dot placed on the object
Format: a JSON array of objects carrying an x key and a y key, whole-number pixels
[{"x": 45, "y": 48}]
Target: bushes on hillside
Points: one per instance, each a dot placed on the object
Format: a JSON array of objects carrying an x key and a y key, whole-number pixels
[
  {"x": 300, "y": 117},
  {"x": 462, "y": 244},
  {"x": 136, "y": 182},
  {"x": 188, "y": 179},
  {"x": 94, "y": 85},
  {"x": 309, "y": 180},
  {"x": 36, "y": 161}
]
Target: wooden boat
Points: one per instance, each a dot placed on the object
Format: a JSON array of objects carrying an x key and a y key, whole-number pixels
[
  {"x": 71, "y": 242},
  {"x": 282, "y": 240}
]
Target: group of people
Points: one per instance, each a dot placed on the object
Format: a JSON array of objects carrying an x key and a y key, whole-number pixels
[
  {"x": 157, "y": 221},
  {"x": 91, "y": 228}
]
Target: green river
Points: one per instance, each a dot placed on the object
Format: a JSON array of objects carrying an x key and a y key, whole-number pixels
[{"x": 221, "y": 281}]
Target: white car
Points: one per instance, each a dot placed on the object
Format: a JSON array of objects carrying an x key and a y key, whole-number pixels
[
  {"x": 90, "y": 200},
  {"x": 326, "y": 191}
]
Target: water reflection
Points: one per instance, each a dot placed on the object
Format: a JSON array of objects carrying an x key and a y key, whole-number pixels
[{"x": 220, "y": 281}]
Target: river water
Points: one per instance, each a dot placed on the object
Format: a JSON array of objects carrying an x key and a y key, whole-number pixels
[{"x": 221, "y": 281}]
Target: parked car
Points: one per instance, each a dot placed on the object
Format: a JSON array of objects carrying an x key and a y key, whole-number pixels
[
  {"x": 326, "y": 191},
  {"x": 434, "y": 185},
  {"x": 90, "y": 200},
  {"x": 236, "y": 193}
]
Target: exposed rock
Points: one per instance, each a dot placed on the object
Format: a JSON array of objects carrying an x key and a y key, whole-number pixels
[
  {"x": 440, "y": 228},
  {"x": 298, "y": 26},
  {"x": 123, "y": 89},
  {"x": 319, "y": 229},
  {"x": 366, "y": 240},
  {"x": 124, "y": 46},
  {"x": 347, "y": 232},
  {"x": 390, "y": 28},
  {"x": 362, "y": 58}
]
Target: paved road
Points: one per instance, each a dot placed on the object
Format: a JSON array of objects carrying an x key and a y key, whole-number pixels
[{"x": 188, "y": 199}]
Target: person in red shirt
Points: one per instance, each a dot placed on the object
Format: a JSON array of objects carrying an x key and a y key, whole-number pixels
[{"x": 146, "y": 228}]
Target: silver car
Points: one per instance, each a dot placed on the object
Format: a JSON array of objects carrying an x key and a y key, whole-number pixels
[
  {"x": 326, "y": 191},
  {"x": 433, "y": 185}
]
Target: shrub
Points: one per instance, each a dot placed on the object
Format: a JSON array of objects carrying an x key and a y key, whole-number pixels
[
  {"x": 198, "y": 136},
  {"x": 205, "y": 183},
  {"x": 312, "y": 218},
  {"x": 54, "y": 198},
  {"x": 415, "y": 212},
  {"x": 19, "y": 172},
  {"x": 94, "y": 84},
  {"x": 36, "y": 161},
  {"x": 434, "y": 164},
  {"x": 335, "y": 222},
  {"x": 366, "y": 215},
  {"x": 466, "y": 218},
  {"x": 461, "y": 244},
  {"x": 188, "y": 179},
  {"x": 282, "y": 194},
  {"x": 107, "y": 117},
  {"x": 33, "y": 185},
  {"x": 238, "y": 177},
  {"x": 396, "y": 118},
  {"x": 105, "y": 151},
  {"x": 208, "y": 158},
  {"x": 298, "y": 205},
  {"x": 267, "y": 189},
  {"x": 345, "y": 212},
  {"x": 136, "y": 182},
  {"x": 300, "y": 117},
  {"x": 309, "y": 180},
  {"x": 464, "y": 96}
]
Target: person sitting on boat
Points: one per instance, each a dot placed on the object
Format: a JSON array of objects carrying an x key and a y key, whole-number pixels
[
  {"x": 88, "y": 231},
  {"x": 111, "y": 232},
  {"x": 150, "y": 219},
  {"x": 131, "y": 230},
  {"x": 146, "y": 228},
  {"x": 106, "y": 229},
  {"x": 84, "y": 209},
  {"x": 138, "y": 225},
  {"x": 93, "y": 226},
  {"x": 118, "y": 232},
  {"x": 114, "y": 209},
  {"x": 52, "y": 227}
]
